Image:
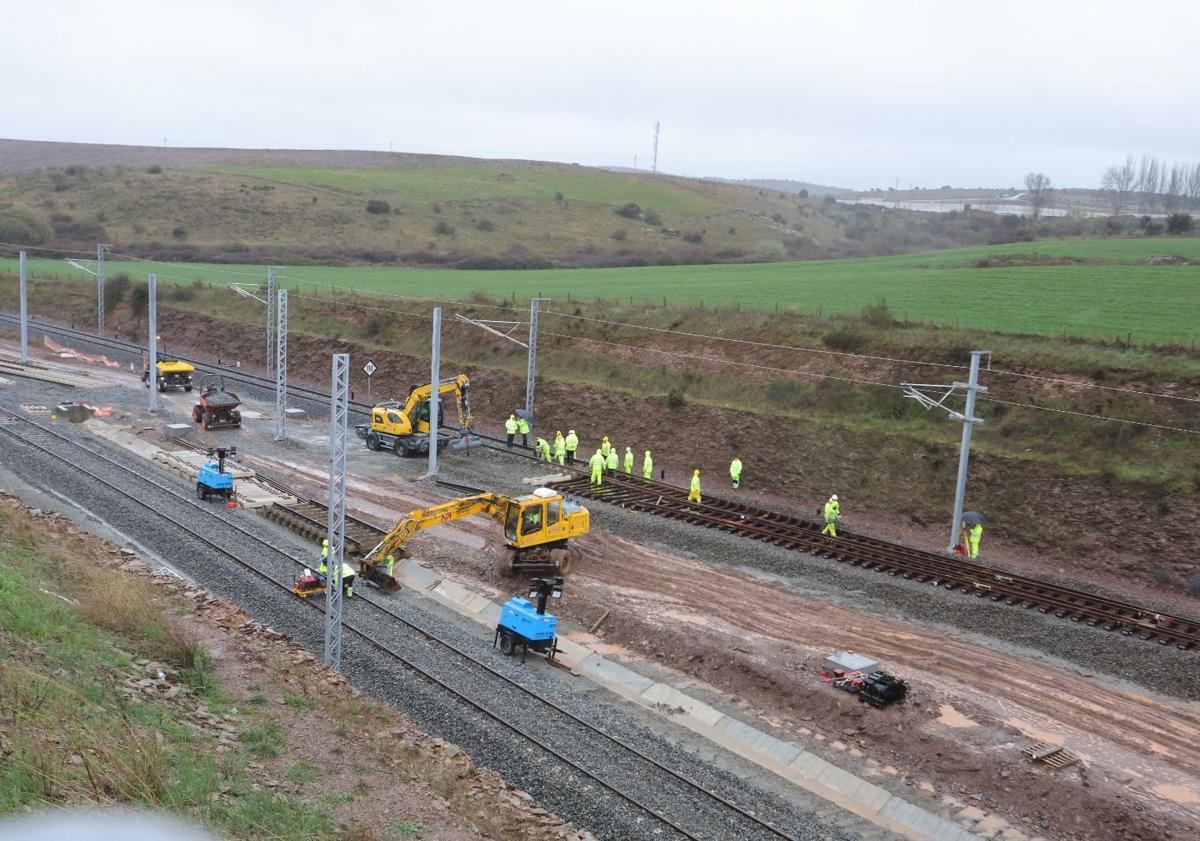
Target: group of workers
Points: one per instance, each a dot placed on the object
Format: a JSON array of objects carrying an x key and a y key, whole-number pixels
[
  {"x": 606, "y": 460},
  {"x": 348, "y": 573}
]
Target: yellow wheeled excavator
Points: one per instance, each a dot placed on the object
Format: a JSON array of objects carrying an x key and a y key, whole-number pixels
[
  {"x": 404, "y": 427},
  {"x": 537, "y": 527}
]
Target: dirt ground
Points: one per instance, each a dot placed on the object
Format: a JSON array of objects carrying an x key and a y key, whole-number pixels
[{"x": 340, "y": 740}]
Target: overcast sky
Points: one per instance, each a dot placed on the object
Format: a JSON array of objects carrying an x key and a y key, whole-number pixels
[{"x": 856, "y": 94}]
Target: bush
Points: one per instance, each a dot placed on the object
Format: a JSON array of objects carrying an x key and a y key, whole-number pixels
[
  {"x": 787, "y": 394},
  {"x": 378, "y": 207},
  {"x": 115, "y": 290},
  {"x": 846, "y": 341},
  {"x": 1179, "y": 223},
  {"x": 650, "y": 217},
  {"x": 878, "y": 315},
  {"x": 23, "y": 227},
  {"x": 485, "y": 225},
  {"x": 154, "y": 169},
  {"x": 629, "y": 211},
  {"x": 180, "y": 233},
  {"x": 443, "y": 228},
  {"x": 694, "y": 237},
  {"x": 675, "y": 398},
  {"x": 1153, "y": 229},
  {"x": 618, "y": 235}
]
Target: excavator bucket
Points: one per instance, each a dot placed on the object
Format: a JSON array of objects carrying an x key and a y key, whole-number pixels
[{"x": 377, "y": 576}]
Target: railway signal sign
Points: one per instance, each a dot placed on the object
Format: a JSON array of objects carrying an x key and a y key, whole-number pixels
[{"x": 369, "y": 369}]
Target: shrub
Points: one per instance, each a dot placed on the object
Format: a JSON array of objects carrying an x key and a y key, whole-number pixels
[
  {"x": 675, "y": 398},
  {"x": 180, "y": 233},
  {"x": 878, "y": 315},
  {"x": 651, "y": 217},
  {"x": 485, "y": 225},
  {"x": 115, "y": 290},
  {"x": 787, "y": 394},
  {"x": 778, "y": 218},
  {"x": 618, "y": 235},
  {"x": 378, "y": 207},
  {"x": 1193, "y": 585},
  {"x": 694, "y": 237},
  {"x": 629, "y": 211},
  {"x": 1153, "y": 229},
  {"x": 443, "y": 228},
  {"x": 22, "y": 226},
  {"x": 154, "y": 169},
  {"x": 846, "y": 341},
  {"x": 1179, "y": 223}
]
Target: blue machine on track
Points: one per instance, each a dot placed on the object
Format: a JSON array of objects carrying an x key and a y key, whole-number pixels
[
  {"x": 528, "y": 626},
  {"x": 212, "y": 480}
]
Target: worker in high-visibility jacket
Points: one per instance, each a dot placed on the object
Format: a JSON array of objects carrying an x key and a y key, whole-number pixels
[
  {"x": 596, "y": 462},
  {"x": 324, "y": 567},
  {"x": 833, "y": 513},
  {"x": 605, "y": 448},
  {"x": 560, "y": 447},
  {"x": 543, "y": 449},
  {"x": 348, "y": 574},
  {"x": 611, "y": 462},
  {"x": 974, "y": 534},
  {"x": 694, "y": 490},
  {"x": 735, "y": 472},
  {"x": 390, "y": 564},
  {"x": 523, "y": 428},
  {"x": 510, "y": 428},
  {"x": 647, "y": 466},
  {"x": 571, "y": 444},
  {"x": 629, "y": 459}
]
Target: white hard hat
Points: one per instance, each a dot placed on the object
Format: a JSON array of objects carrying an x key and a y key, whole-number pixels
[{"x": 834, "y": 497}]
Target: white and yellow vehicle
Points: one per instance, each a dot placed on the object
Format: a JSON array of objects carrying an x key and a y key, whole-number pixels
[
  {"x": 404, "y": 427},
  {"x": 171, "y": 373}
]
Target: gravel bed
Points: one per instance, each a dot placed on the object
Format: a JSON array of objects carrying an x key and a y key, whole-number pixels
[
  {"x": 1162, "y": 668},
  {"x": 579, "y": 801}
]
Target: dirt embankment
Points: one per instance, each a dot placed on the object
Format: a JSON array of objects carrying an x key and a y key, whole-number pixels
[{"x": 1073, "y": 524}]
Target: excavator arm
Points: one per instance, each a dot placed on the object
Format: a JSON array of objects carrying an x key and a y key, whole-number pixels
[
  {"x": 459, "y": 386},
  {"x": 494, "y": 505}
]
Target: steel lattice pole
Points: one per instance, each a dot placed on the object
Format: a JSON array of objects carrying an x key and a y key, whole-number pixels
[
  {"x": 531, "y": 366},
  {"x": 100, "y": 251},
  {"x": 339, "y": 398},
  {"x": 152, "y": 340},
  {"x": 281, "y": 364}
]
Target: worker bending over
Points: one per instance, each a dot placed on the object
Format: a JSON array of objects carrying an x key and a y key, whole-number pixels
[
  {"x": 833, "y": 513},
  {"x": 572, "y": 444},
  {"x": 510, "y": 429},
  {"x": 735, "y": 472},
  {"x": 694, "y": 491},
  {"x": 543, "y": 449},
  {"x": 347, "y": 570},
  {"x": 560, "y": 447},
  {"x": 629, "y": 459},
  {"x": 971, "y": 537},
  {"x": 596, "y": 462},
  {"x": 647, "y": 466},
  {"x": 611, "y": 462},
  {"x": 523, "y": 428}
]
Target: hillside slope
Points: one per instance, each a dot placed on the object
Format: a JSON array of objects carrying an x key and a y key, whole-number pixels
[{"x": 309, "y": 206}]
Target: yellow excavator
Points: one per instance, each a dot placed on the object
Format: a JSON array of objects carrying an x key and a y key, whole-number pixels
[
  {"x": 536, "y": 528},
  {"x": 404, "y": 427}
]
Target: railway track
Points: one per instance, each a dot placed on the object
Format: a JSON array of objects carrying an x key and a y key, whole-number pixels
[
  {"x": 670, "y": 797},
  {"x": 948, "y": 572},
  {"x": 789, "y": 532}
]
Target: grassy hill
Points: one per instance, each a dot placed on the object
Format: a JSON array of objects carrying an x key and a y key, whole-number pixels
[
  {"x": 298, "y": 207},
  {"x": 1092, "y": 288}
]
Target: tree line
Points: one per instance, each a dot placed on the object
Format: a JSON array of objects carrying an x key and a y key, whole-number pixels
[{"x": 1151, "y": 184}]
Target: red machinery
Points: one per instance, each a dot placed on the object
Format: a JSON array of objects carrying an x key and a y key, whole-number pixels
[{"x": 217, "y": 407}]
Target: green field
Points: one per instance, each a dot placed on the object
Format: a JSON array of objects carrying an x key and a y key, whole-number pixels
[{"x": 1113, "y": 294}]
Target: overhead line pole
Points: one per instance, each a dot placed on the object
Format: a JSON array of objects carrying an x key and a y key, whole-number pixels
[
  {"x": 531, "y": 365},
  {"x": 24, "y": 293},
  {"x": 964, "y": 453},
  {"x": 270, "y": 316},
  {"x": 152, "y": 340},
  {"x": 435, "y": 367},
  {"x": 101, "y": 250},
  {"x": 336, "y": 531},
  {"x": 281, "y": 364}
]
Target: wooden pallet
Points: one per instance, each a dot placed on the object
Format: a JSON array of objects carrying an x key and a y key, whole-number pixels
[{"x": 1056, "y": 756}]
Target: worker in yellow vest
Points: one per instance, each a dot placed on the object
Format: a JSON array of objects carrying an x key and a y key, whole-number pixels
[
  {"x": 560, "y": 447},
  {"x": 611, "y": 462},
  {"x": 694, "y": 491},
  {"x": 510, "y": 429},
  {"x": 629, "y": 459},
  {"x": 735, "y": 472},
  {"x": 596, "y": 462},
  {"x": 647, "y": 466},
  {"x": 571, "y": 444}
]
